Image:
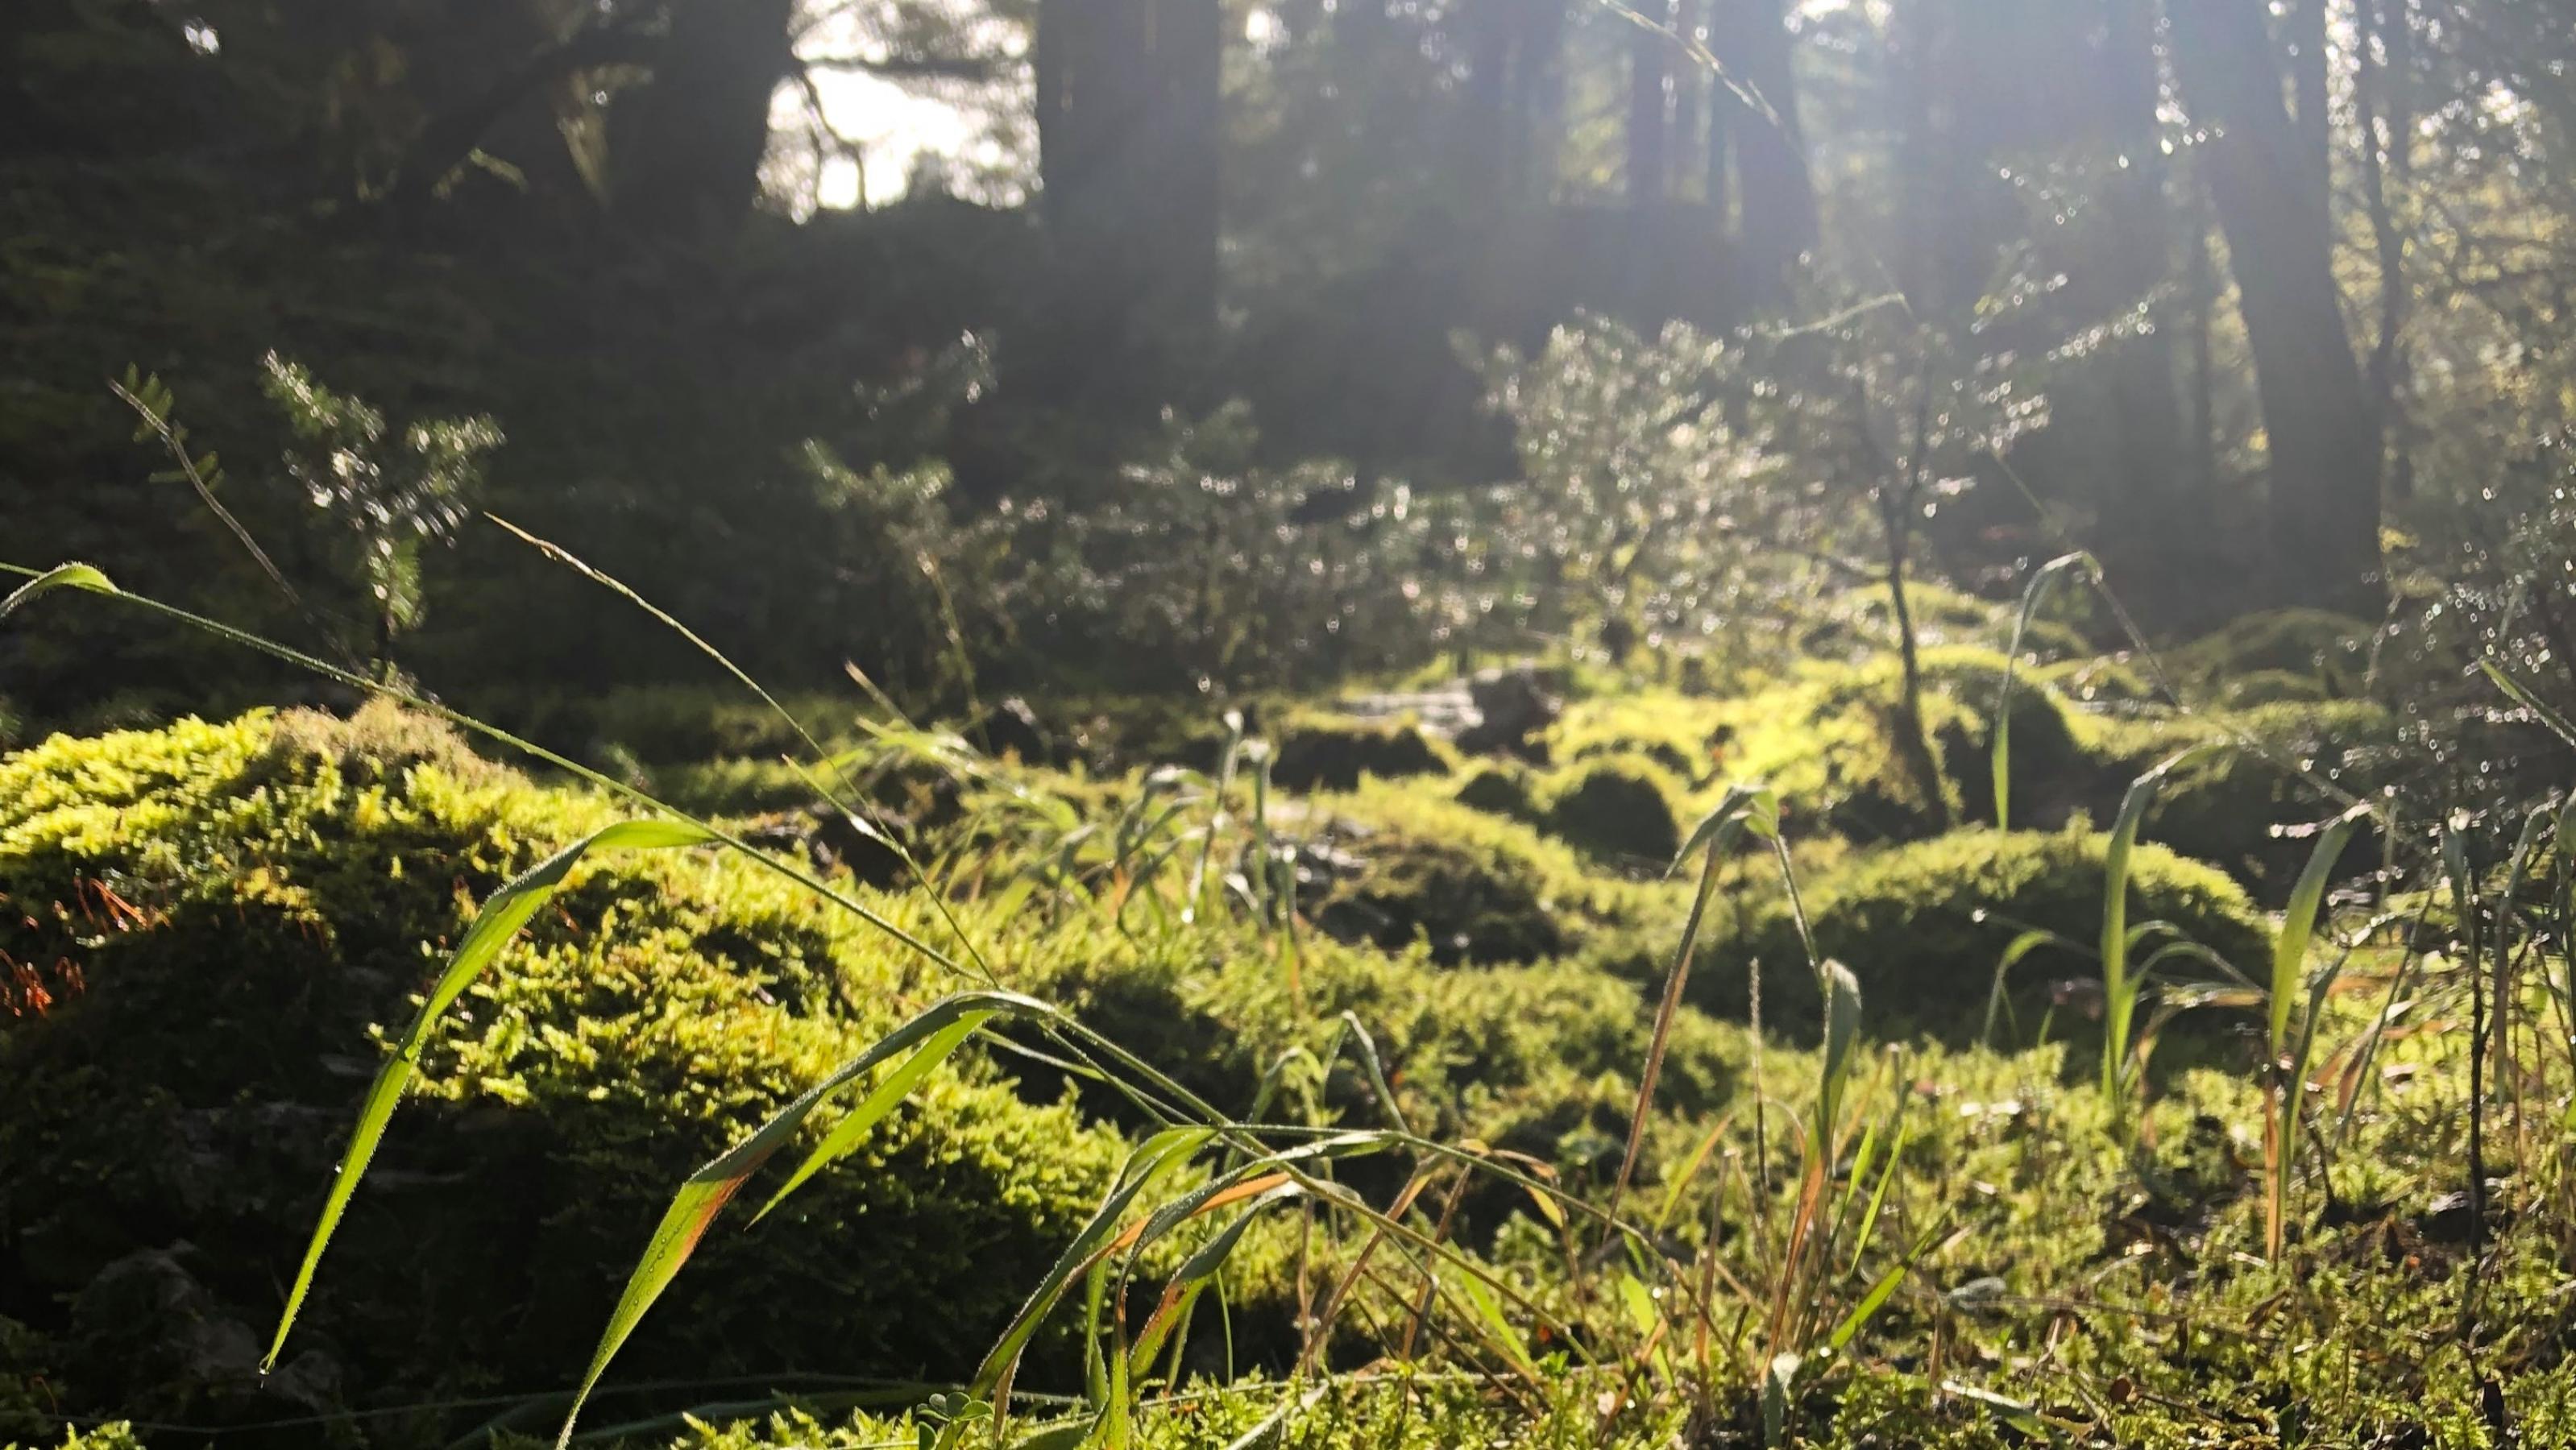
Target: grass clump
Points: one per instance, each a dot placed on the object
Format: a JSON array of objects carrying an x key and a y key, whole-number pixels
[{"x": 238, "y": 904}]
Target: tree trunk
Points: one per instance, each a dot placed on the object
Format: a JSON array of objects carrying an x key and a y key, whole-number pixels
[
  {"x": 687, "y": 157},
  {"x": 1650, "y": 54},
  {"x": 1129, "y": 113},
  {"x": 2155, "y": 540},
  {"x": 2323, "y": 503},
  {"x": 1779, "y": 196}
]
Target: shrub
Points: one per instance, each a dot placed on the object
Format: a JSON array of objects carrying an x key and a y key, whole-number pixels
[
  {"x": 234, "y": 904},
  {"x": 1923, "y": 925}
]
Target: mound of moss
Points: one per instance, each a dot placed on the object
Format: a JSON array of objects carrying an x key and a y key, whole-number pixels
[
  {"x": 1389, "y": 865},
  {"x": 1923, "y": 926},
  {"x": 1617, "y": 809},
  {"x": 1325, "y": 752},
  {"x": 1831, "y": 742},
  {"x": 2245, "y": 794},
  {"x": 2331, "y": 652},
  {"x": 221, "y": 920}
]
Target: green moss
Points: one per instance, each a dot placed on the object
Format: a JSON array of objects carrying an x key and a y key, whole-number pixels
[
  {"x": 1327, "y": 752},
  {"x": 2242, "y": 797},
  {"x": 2332, "y": 650},
  {"x": 1618, "y": 809},
  {"x": 1400, "y": 864},
  {"x": 1923, "y": 925},
  {"x": 1501, "y": 790},
  {"x": 1829, "y": 742},
  {"x": 244, "y": 906}
]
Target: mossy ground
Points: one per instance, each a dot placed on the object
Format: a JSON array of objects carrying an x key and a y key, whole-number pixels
[{"x": 211, "y": 927}]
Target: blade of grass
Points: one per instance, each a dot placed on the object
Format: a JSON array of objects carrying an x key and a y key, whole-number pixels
[
  {"x": 500, "y": 919},
  {"x": 2032, "y": 596},
  {"x": 61, "y": 576}
]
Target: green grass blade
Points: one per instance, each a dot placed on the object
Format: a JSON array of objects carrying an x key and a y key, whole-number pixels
[
  {"x": 684, "y": 1224},
  {"x": 61, "y": 576},
  {"x": 897, "y": 1086},
  {"x": 2119, "y": 987},
  {"x": 2290, "y": 948},
  {"x": 500, "y": 919},
  {"x": 2521, "y": 694},
  {"x": 2032, "y": 596},
  {"x": 1154, "y": 1160},
  {"x": 1868, "y": 1307}
]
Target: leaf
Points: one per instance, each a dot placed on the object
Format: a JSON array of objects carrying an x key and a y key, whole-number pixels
[
  {"x": 1842, "y": 1030},
  {"x": 502, "y": 915},
  {"x": 2299, "y": 924},
  {"x": 1868, "y": 1307},
  {"x": 2020, "y": 947},
  {"x": 1778, "y": 1381},
  {"x": 705, "y": 1193},
  {"x": 2032, "y": 596},
  {"x": 61, "y": 576},
  {"x": 1498, "y": 1328},
  {"x": 2119, "y": 990},
  {"x": 2521, "y": 694},
  {"x": 897, "y": 1086}
]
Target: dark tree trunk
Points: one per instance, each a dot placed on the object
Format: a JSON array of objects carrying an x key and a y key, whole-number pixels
[
  {"x": 1129, "y": 114},
  {"x": 2156, "y": 542},
  {"x": 2323, "y": 502},
  {"x": 1690, "y": 78},
  {"x": 685, "y": 152},
  {"x": 1779, "y": 195},
  {"x": 1650, "y": 54}
]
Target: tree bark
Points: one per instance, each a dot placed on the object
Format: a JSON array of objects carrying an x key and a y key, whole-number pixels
[
  {"x": 687, "y": 159},
  {"x": 1649, "y": 66},
  {"x": 1129, "y": 121},
  {"x": 1779, "y": 195},
  {"x": 2156, "y": 544},
  {"x": 2323, "y": 503}
]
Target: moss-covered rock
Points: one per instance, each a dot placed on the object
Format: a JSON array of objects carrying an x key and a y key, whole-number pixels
[
  {"x": 2330, "y": 651},
  {"x": 1923, "y": 925},
  {"x": 238, "y": 910},
  {"x": 1501, "y": 790},
  {"x": 1830, "y": 742}
]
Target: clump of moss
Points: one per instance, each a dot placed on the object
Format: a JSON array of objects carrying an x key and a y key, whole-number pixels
[
  {"x": 1617, "y": 809},
  {"x": 1830, "y": 741},
  {"x": 1501, "y": 790},
  {"x": 2237, "y": 800},
  {"x": 1923, "y": 925},
  {"x": 247, "y": 906},
  {"x": 1323, "y": 752},
  {"x": 2330, "y": 650},
  {"x": 1393, "y": 864}
]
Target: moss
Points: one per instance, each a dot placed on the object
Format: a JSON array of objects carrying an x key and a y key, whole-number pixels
[
  {"x": 2238, "y": 800},
  {"x": 1325, "y": 752},
  {"x": 236, "y": 904},
  {"x": 2333, "y": 650},
  {"x": 1501, "y": 790},
  {"x": 1618, "y": 810},
  {"x": 1828, "y": 741},
  {"x": 1395, "y": 864},
  {"x": 1923, "y": 925}
]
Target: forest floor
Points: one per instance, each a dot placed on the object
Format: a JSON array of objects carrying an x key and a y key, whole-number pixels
[{"x": 1383, "y": 992}]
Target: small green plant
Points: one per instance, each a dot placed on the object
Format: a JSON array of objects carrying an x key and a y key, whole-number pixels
[{"x": 386, "y": 499}]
